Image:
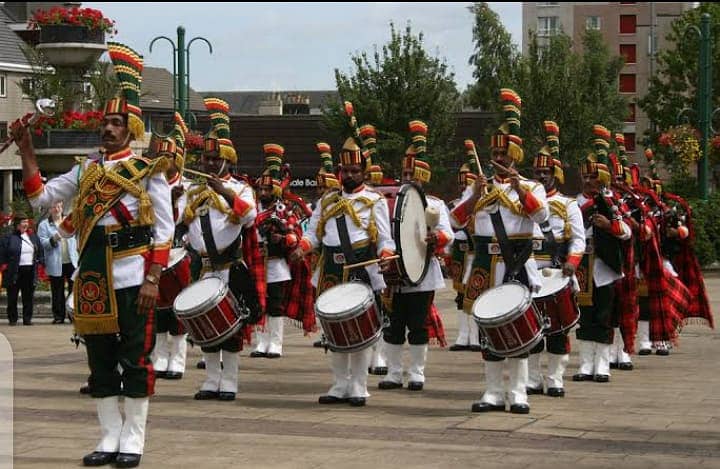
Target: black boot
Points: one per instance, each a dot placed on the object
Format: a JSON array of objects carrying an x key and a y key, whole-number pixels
[
  {"x": 99, "y": 458},
  {"x": 128, "y": 460}
]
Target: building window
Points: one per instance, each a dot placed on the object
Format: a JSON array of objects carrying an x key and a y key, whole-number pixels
[
  {"x": 3, "y": 131},
  {"x": 547, "y": 25},
  {"x": 631, "y": 113},
  {"x": 592, "y": 22},
  {"x": 627, "y": 83},
  {"x": 629, "y": 53},
  {"x": 628, "y": 24},
  {"x": 28, "y": 86},
  {"x": 3, "y": 86},
  {"x": 630, "y": 142}
]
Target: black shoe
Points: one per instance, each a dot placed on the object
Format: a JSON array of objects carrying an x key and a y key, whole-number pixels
[
  {"x": 27, "y": 323},
  {"x": 530, "y": 390},
  {"x": 12, "y": 323},
  {"x": 663, "y": 352},
  {"x": 556, "y": 392},
  {"x": 58, "y": 321},
  {"x": 379, "y": 370},
  {"x": 272, "y": 355},
  {"x": 85, "y": 389},
  {"x": 318, "y": 344},
  {"x": 519, "y": 409},
  {"x": 357, "y": 401},
  {"x": 161, "y": 374},
  {"x": 99, "y": 458},
  {"x": 256, "y": 354},
  {"x": 200, "y": 365},
  {"x": 206, "y": 395},
  {"x": 415, "y": 386},
  {"x": 226, "y": 396},
  {"x": 625, "y": 366},
  {"x": 389, "y": 385},
  {"x": 332, "y": 400},
  {"x": 458, "y": 348},
  {"x": 487, "y": 407},
  {"x": 128, "y": 460},
  {"x": 476, "y": 348},
  {"x": 644, "y": 351},
  {"x": 582, "y": 377},
  {"x": 602, "y": 378},
  {"x": 613, "y": 365},
  {"x": 173, "y": 375}
]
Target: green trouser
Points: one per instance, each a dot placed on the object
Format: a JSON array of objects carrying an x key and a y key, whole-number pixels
[
  {"x": 409, "y": 310},
  {"x": 557, "y": 344},
  {"x": 275, "y": 298},
  {"x": 166, "y": 321},
  {"x": 596, "y": 320},
  {"x": 130, "y": 349}
]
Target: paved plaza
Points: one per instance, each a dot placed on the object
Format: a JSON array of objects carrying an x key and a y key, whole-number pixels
[{"x": 665, "y": 413}]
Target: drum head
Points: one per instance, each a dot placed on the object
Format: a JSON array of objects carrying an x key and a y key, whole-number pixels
[
  {"x": 410, "y": 230},
  {"x": 551, "y": 284},
  {"x": 501, "y": 301},
  {"x": 199, "y": 295},
  {"x": 343, "y": 298},
  {"x": 176, "y": 255}
]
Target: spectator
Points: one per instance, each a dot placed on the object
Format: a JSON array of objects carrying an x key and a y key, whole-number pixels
[
  {"x": 61, "y": 258},
  {"x": 23, "y": 253}
]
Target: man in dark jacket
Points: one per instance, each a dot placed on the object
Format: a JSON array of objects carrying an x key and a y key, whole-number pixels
[{"x": 22, "y": 252}]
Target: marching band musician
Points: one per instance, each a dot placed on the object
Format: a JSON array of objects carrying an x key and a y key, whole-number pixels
[
  {"x": 351, "y": 224},
  {"x": 410, "y": 306},
  {"x": 602, "y": 266},
  {"x": 563, "y": 245},
  {"x": 170, "y": 338},
  {"x": 280, "y": 232},
  {"x": 517, "y": 204},
  {"x": 461, "y": 257},
  {"x": 123, "y": 221},
  {"x": 215, "y": 214}
]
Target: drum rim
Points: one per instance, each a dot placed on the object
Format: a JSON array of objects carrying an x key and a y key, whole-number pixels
[
  {"x": 202, "y": 307},
  {"x": 512, "y": 314},
  {"x": 170, "y": 266},
  {"x": 349, "y": 313},
  {"x": 565, "y": 285},
  {"x": 396, "y": 234}
]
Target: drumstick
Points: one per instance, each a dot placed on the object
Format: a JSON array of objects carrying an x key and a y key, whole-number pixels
[
  {"x": 500, "y": 167},
  {"x": 370, "y": 262}
]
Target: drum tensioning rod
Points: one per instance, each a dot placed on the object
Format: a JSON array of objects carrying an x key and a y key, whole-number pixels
[{"x": 370, "y": 262}]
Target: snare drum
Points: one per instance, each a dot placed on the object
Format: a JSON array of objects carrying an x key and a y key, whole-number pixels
[
  {"x": 509, "y": 322},
  {"x": 174, "y": 278},
  {"x": 209, "y": 311},
  {"x": 350, "y": 319},
  {"x": 557, "y": 302}
]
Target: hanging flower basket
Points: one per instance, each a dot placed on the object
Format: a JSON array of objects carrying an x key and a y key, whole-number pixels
[
  {"x": 78, "y": 25},
  {"x": 67, "y": 138},
  {"x": 57, "y": 33}
]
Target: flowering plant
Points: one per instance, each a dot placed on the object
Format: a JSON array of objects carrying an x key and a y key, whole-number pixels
[
  {"x": 683, "y": 141},
  {"x": 91, "y": 120},
  {"x": 88, "y": 17}
]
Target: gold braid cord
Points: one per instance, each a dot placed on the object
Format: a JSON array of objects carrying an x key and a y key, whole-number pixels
[
  {"x": 559, "y": 209},
  {"x": 334, "y": 205},
  {"x": 198, "y": 196}
]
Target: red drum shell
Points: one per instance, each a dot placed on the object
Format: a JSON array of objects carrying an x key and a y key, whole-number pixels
[
  {"x": 174, "y": 278},
  {"x": 350, "y": 319},
  {"x": 558, "y": 303}
]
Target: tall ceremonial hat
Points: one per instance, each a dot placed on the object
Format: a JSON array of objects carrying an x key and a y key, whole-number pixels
[
  {"x": 128, "y": 66},
  {"x": 326, "y": 175},
  {"x": 351, "y": 152},
  {"x": 374, "y": 173},
  {"x": 618, "y": 161},
  {"x": 467, "y": 174},
  {"x": 653, "y": 178},
  {"x": 179, "y": 133},
  {"x": 508, "y": 134},
  {"x": 416, "y": 159},
  {"x": 218, "y": 139},
  {"x": 273, "y": 162},
  {"x": 548, "y": 156},
  {"x": 597, "y": 161}
]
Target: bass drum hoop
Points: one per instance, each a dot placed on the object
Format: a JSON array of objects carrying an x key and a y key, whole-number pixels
[{"x": 401, "y": 195}]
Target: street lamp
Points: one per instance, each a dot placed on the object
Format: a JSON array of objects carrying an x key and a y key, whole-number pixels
[{"x": 181, "y": 69}]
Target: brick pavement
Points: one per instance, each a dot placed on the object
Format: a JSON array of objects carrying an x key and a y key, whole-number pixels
[{"x": 665, "y": 413}]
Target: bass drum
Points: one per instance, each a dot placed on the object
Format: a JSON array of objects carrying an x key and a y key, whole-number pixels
[{"x": 409, "y": 231}]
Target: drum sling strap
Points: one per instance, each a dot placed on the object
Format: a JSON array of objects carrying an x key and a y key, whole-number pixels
[
  {"x": 514, "y": 261},
  {"x": 216, "y": 259},
  {"x": 551, "y": 246},
  {"x": 358, "y": 273}
]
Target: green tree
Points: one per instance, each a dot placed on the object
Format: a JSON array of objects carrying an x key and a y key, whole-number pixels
[
  {"x": 395, "y": 84},
  {"x": 495, "y": 58},
  {"x": 674, "y": 86}
]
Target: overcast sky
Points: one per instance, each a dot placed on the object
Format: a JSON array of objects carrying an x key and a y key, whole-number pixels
[{"x": 293, "y": 46}]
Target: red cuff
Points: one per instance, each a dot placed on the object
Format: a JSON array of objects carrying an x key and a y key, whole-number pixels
[
  {"x": 291, "y": 240},
  {"x": 33, "y": 186},
  {"x": 462, "y": 212},
  {"x": 683, "y": 232},
  {"x": 615, "y": 228},
  {"x": 160, "y": 256},
  {"x": 240, "y": 207},
  {"x": 442, "y": 239},
  {"x": 531, "y": 204},
  {"x": 575, "y": 259},
  {"x": 386, "y": 253},
  {"x": 305, "y": 245}
]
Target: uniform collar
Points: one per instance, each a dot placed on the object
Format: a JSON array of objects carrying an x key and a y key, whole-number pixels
[
  {"x": 119, "y": 155},
  {"x": 552, "y": 192},
  {"x": 358, "y": 189}
]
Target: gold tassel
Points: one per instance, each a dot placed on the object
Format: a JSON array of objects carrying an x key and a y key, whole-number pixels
[
  {"x": 559, "y": 174},
  {"x": 228, "y": 153},
  {"x": 515, "y": 152},
  {"x": 146, "y": 214},
  {"x": 136, "y": 127}
]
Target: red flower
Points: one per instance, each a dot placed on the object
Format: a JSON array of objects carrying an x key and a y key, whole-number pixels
[
  {"x": 92, "y": 19},
  {"x": 91, "y": 120},
  {"x": 665, "y": 140}
]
